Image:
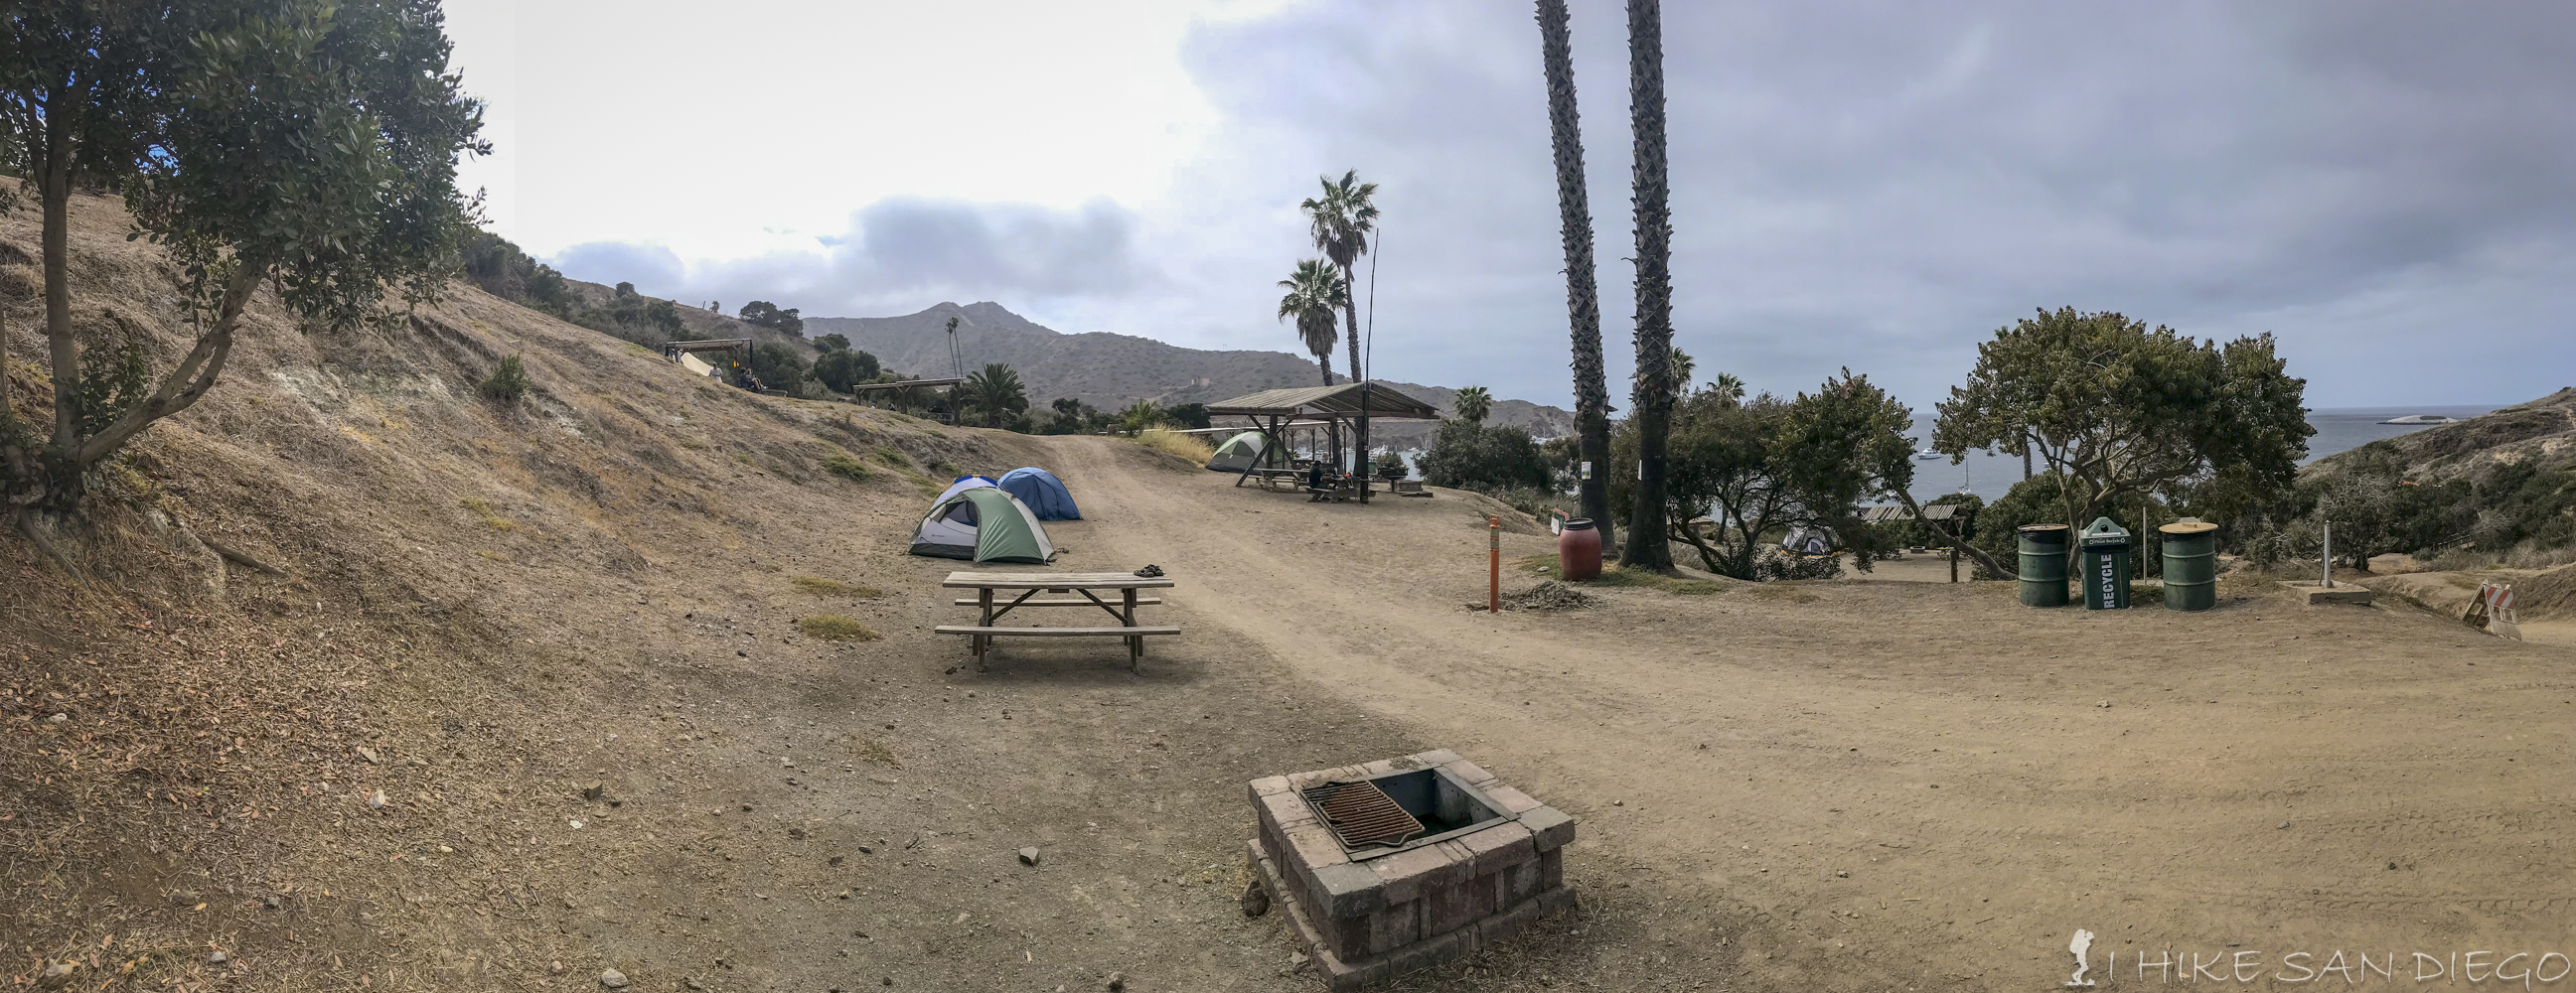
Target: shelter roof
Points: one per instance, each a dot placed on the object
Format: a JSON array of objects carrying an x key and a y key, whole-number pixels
[
  {"x": 1935, "y": 512},
  {"x": 1328, "y": 401}
]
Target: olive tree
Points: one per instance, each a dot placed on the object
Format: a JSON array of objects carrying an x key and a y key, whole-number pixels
[
  {"x": 305, "y": 145},
  {"x": 2116, "y": 410}
]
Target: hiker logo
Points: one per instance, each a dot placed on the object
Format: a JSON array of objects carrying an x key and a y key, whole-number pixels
[{"x": 2083, "y": 943}]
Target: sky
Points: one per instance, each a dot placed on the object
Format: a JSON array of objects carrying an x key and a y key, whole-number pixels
[{"x": 2388, "y": 188}]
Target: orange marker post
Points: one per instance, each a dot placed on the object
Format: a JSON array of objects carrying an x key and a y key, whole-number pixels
[{"x": 1494, "y": 565}]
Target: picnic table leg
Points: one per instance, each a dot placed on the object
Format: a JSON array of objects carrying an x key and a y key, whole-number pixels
[
  {"x": 983, "y": 642},
  {"x": 1135, "y": 644}
]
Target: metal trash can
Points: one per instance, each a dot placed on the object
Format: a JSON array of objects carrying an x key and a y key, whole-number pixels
[
  {"x": 2043, "y": 565},
  {"x": 2191, "y": 564},
  {"x": 2104, "y": 565}
]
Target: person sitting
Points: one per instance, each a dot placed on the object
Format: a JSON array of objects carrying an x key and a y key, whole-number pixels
[{"x": 1315, "y": 482}]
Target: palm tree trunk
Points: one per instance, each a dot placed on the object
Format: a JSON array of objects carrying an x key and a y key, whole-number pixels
[
  {"x": 1652, "y": 399},
  {"x": 1325, "y": 362},
  {"x": 1582, "y": 293}
]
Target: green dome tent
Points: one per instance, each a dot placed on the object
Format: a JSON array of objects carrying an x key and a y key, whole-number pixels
[
  {"x": 1246, "y": 452},
  {"x": 982, "y": 524}
]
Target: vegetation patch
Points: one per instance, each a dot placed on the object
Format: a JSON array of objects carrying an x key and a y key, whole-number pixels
[
  {"x": 820, "y": 586},
  {"x": 894, "y": 458},
  {"x": 834, "y": 627},
  {"x": 847, "y": 468},
  {"x": 867, "y": 749},
  {"x": 483, "y": 509},
  {"x": 508, "y": 382},
  {"x": 1186, "y": 447},
  {"x": 947, "y": 467}
]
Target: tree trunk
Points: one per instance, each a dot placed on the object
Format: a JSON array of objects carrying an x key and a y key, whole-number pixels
[
  {"x": 1652, "y": 399},
  {"x": 1582, "y": 293},
  {"x": 54, "y": 185},
  {"x": 186, "y": 384},
  {"x": 1325, "y": 362}
]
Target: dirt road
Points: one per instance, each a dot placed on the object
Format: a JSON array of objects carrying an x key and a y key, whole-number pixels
[{"x": 1859, "y": 785}]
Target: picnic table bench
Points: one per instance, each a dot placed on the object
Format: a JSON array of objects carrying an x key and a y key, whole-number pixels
[{"x": 1030, "y": 584}]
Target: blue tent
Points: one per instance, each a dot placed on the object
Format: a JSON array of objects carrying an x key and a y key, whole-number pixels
[{"x": 1044, "y": 493}]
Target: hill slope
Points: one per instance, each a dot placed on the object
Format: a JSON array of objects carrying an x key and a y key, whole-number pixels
[
  {"x": 2542, "y": 431},
  {"x": 1110, "y": 371}
]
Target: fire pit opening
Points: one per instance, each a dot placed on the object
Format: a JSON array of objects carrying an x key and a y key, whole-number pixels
[{"x": 1383, "y": 815}]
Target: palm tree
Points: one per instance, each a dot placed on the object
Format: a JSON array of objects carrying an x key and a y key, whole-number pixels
[
  {"x": 1582, "y": 295},
  {"x": 996, "y": 391},
  {"x": 1653, "y": 394},
  {"x": 1315, "y": 291},
  {"x": 1340, "y": 222},
  {"x": 1472, "y": 404}
]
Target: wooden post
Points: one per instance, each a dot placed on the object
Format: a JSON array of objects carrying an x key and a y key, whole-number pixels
[
  {"x": 1494, "y": 565},
  {"x": 1954, "y": 560}
]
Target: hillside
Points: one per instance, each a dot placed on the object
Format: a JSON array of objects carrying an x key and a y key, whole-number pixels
[
  {"x": 2542, "y": 431},
  {"x": 1110, "y": 371}
]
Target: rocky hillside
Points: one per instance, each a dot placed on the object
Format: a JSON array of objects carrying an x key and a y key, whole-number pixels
[
  {"x": 2541, "y": 431},
  {"x": 1110, "y": 371}
]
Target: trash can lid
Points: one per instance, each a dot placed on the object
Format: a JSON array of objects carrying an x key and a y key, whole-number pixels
[
  {"x": 2189, "y": 525},
  {"x": 2104, "y": 532},
  {"x": 2041, "y": 527}
]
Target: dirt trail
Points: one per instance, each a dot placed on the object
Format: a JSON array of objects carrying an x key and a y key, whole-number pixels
[{"x": 2263, "y": 776}]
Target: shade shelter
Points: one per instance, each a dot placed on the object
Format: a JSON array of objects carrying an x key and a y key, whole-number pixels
[
  {"x": 1042, "y": 492},
  {"x": 1270, "y": 411},
  {"x": 982, "y": 524}
]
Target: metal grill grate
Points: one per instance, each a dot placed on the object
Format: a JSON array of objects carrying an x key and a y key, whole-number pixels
[{"x": 1361, "y": 814}]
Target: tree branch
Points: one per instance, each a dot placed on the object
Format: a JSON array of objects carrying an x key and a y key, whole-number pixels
[
  {"x": 1973, "y": 551},
  {"x": 188, "y": 383}
]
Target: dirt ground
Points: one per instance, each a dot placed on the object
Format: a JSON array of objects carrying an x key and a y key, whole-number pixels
[{"x": 1809, "y": 786}]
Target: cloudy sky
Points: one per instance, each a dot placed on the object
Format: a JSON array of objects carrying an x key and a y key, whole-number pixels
[{"x": 2388, "y": 187}]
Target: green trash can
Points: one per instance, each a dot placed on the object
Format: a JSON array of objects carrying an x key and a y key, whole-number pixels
[
  {"x": 2104, "y": 565},
  {"x": 2043, "y": 565},
  {"x": 2191, "y": 564}
]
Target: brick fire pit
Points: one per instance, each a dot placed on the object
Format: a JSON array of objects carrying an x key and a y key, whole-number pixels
[{"x": 1395, "y": 865}]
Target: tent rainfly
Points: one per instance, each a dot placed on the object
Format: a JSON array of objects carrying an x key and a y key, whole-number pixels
[
  {"x": 982, "y": 524},
  {"x": 1042, "y": 492}
]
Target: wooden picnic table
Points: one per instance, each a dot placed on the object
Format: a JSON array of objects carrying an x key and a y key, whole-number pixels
[{"x": 1030, "y": 584}]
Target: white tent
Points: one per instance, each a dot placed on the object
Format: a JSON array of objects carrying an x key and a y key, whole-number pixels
[{"x": 1246, "y": 452}]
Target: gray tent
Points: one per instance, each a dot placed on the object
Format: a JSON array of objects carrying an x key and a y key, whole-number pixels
[{"x": 1246, "y": 452}]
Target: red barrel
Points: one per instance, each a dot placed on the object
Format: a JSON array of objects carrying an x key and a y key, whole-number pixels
[{"x": 1578, "y": 550}]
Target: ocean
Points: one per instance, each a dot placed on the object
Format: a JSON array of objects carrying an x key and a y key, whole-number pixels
[{"x": 2338, "y": 429}]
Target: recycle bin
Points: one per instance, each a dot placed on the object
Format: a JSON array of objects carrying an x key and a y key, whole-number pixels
[
  {"x": 2103, "y": 565},
  {"x": 2043, "y": 565}
]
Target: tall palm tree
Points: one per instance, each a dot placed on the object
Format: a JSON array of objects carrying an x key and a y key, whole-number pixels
[
  {"x": 996, "y": 392},
  {"x": 1652, "y": 396},
  {"x": 1340, "y": 222},
  {"x": 1315, "y": 291},
  {"x": 1472, "y": 403},
  {"x": 1582, "y": 294}
]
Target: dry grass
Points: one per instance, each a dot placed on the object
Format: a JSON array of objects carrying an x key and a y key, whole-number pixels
[
  {"x": 820, "y": 586},
  {"x": 867, "y": 749},
  {"x": 834, "y": 627},
  {"x": 847, "y": 468},
  {"x": 1189, "y": 447},
  {"x": 1612, "y": 575},
  {"x": 483, "y": 509}
]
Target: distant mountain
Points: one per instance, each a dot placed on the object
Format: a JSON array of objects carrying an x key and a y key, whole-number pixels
[
  {"x": 2541, "y": 432},
  {"x": 1110, "y": 371}
]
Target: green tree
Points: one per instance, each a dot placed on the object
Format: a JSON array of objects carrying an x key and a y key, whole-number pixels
[
  {"x": 303, "y": 144},
  {"x": 993, "y": 392},
  {"x": 1472, "y": 404},
  {"x": 842, "y": 368},
  {"x": 1188, "y": 415},
  {"x": 777, "y": 367},
  {"x": 1141, "y": 415},
  {"x": 1339, "y": 223},
  {"x": 1315, "y": 291},
  {"x": 1582, "y": 292},
  {"x": 762, "y": 313},
  {"x": 1467, "y": 455},
  {"x": 2116, "y": 410},
  {"x": 832, "y": 342},
  {"x": 1653, "y": 395}
]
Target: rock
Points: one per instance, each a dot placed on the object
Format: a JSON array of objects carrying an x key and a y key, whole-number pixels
[
  {"x": 1028, "y": 856},
  {"x": 865, "y": 850},
  {"x": 1842, "y": 875},
  {"x": 58, "y": 719},
  {"x": 554, "y": 968},
  {"x": 692, "y": 983},
  {"x": 796, "y": 834},
  {"x": 2104, "y": 704},
  {"x": 1256, "y": 900},
  {"x": 275, "y": 904},
  {"x": 837, "y": 860},
  {"x": 613, "y": 979},
  {"x": 377, "y": 800},
  {"x": 844, "y": 894},
  {"x": 370, "y": 755},
  {"x": 1296, "y": 960},
  {"x": 2285, "y": 825},
  {"x": 597, "y": 789},
  {"x": 1116, "y": 982},
  {"x": 217, "y": 957},
  {"x": 58, "y": 974}
]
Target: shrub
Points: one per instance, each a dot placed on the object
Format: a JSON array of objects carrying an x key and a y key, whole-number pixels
[
  {"x": 1391, "y": 466},
  {"x": 847, "y": 468},
  {"x": 1189, "y": 447},
  {"x": 508, "y": 382},
  {"x": 1469, "y": 455},
  {"x": 484, "y": 510},
  {"x": 834, "y": 627}
]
